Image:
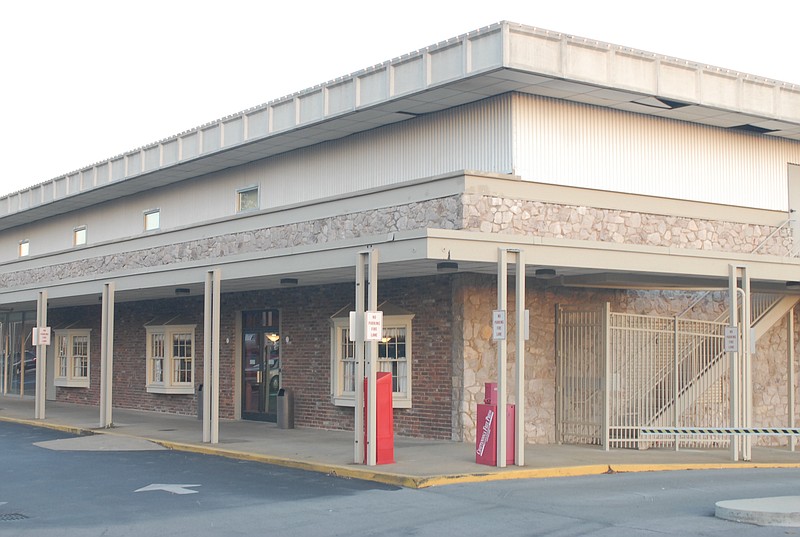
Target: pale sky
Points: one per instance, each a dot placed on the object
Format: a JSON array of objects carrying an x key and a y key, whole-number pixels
[{"x": 86, "y": 80}]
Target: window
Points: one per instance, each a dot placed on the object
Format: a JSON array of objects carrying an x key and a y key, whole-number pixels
[
  {"x": 72, "y": 358},
  {"x": 170, "y": 359},
  {"x": 152, "y": 220},
  {"x": 394, "y": 356},
  {"x": 247, "y": 199},
  {"x": 24, "y": 248},
  {"x": 79, "y": 236}
]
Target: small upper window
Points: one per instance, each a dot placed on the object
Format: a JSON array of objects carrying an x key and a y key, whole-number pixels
[
  {"x": 24, "y": 248},
  {"x": 152, "y": 220},
  {"x": 247, "y": 199},
  {"x": 79, "y": 236}
]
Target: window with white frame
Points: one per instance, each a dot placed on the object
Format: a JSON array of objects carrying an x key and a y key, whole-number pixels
[
  {"x": 394, "y": 356},
  {"x": 79, "y": 236},
  {"x": 170, "y": 359},
  {"x": 24, "y": 248},
  {"x": 247, "y": 199},
  {"x": 152, "y": 219},
  {"x": 72, "y": 358}
]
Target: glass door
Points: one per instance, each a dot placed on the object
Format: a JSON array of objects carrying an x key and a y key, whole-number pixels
[
  {"x": 261, "y": 364},
  {"x": 20, "y": 356}
]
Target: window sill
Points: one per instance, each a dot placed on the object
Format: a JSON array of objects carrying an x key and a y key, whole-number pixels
[
  {"x": 351, "y": 402},
  {"x": 71, "y": 383},
  {"x": 175, "y": 390}
]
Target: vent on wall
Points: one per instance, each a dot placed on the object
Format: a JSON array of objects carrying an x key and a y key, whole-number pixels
[{"x": 752, "y": 128}]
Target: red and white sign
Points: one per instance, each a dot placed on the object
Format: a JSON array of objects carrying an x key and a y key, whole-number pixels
[
  {"x": 499, "y": 325},
  {"x": 41, "y": 335},
  {"x": 373, "y": 325}
]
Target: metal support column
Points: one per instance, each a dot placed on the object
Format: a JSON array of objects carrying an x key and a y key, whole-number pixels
[
  {"x": 790, "y": 373},
  {"x": 733, "y": 357},
  {"x": 747, "y": 363},
  {"x": 676, "y": 412},
  {"x": 372, "y": 363},
  {"x": 365, "y": 356},
  {"x": 211, "y": 316},
  {"x": 607, "y": 376},
  {"x": 502, "y": 358},
  {"x": 357, "y": 334},
  {"x": 107, "y": 356},
  {"x": 741, "y": 387},
  {"x": 41, "y": 358},
  {"x": 522, "y": 336}
]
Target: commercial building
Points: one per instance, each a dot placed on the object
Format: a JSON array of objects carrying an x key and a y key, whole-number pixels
[{"x": 641, "y": 191}]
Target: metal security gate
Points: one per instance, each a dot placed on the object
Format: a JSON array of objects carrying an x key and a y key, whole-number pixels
[
  {"x": 666, "y": 371},
  {"x": 580, "y": 374},
  {"x": 618, "y": 373}
]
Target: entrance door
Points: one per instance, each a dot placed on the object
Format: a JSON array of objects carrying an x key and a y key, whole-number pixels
[{"x": 261, "y": 364}]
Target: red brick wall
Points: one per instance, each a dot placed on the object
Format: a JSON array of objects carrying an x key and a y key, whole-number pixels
[
  {"x": 80, "y": 319},
  {"x": 306, "y": 361},
  {"x": 130, "y": 368}
]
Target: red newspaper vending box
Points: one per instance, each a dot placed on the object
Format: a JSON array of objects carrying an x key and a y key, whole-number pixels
[
  {"x": 384, "y": 421},
  {"x": 486, "y": 435}
]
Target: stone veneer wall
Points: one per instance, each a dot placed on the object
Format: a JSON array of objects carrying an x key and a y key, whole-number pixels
[
  {"x": 770, "y": 380},
  {"x": 468, "y": 211},
  {"x": 479, "y": 297},
  {"x": 491, "y": 214},
  {"x": 440, "y": 213}
]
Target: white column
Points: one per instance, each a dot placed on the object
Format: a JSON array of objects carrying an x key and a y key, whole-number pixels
[
  {"x": 107, "y": 356},
  {"x": 522, "y": 328},
  {"x": 790, "y": 373},
  {"x": 607, "y": 376},
  {"x": 215, "y": 316},
  {"x": 41, "y": 357},
  {"x": 357, "y": 333},
  {"x": 207, "y": 329},
  {"x": 733, "y": 298},
  {"x": 372, "y": 353},
  {"x": 502, "y": 351},
  {"x": 748, "y": 345}
]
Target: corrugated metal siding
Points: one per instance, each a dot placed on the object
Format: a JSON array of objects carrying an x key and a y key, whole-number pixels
[
  {"x": 475, "y": 136},
  {"x": 581, "y": 145}
]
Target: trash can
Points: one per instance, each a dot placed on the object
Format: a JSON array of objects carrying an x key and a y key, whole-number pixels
[
  {"x": 285, "y": 409},
  {"x": 200, "y": 402}
]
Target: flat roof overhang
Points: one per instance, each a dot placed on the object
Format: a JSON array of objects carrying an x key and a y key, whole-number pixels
[
  {"x": 417, "y": 254},
  {"x": 501, "y": 58}
]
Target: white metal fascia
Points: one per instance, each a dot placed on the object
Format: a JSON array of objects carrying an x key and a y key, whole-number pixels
[{"x": 480, "y": 247}]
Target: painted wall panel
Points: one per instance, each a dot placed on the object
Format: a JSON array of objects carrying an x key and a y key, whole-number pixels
[
  {"x": 581, "y": 145},
  {"x": 469, "y": 137},
  {"x": 152, "y": 158}
]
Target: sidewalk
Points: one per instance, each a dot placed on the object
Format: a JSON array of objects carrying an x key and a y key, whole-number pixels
[{"x": 420, "y": 463}]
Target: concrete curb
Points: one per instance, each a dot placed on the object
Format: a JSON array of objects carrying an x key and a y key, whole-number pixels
[
  {"x": 404, "y": 480},
  {"x": 776, "y": 511}
]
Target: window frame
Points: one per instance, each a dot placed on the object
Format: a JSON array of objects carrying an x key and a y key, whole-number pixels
[
  {"x": 24, "y": 249},
  {"x": 339, "y": 331},
  {"x": 66, "y": 363},
  {"x": 149, "y": 213},
  {"x": 169, "y": 366},
  {"x": 248, "y": 190}
]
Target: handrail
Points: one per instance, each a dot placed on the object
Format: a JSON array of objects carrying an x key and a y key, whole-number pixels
[{"x": 777, "y": 229}]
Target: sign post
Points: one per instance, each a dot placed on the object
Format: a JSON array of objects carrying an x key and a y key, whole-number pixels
[
  {"x": 368, "y": 322},
  {"x": 500, "y": 335},
  {"x": 41, "y": 338}
]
